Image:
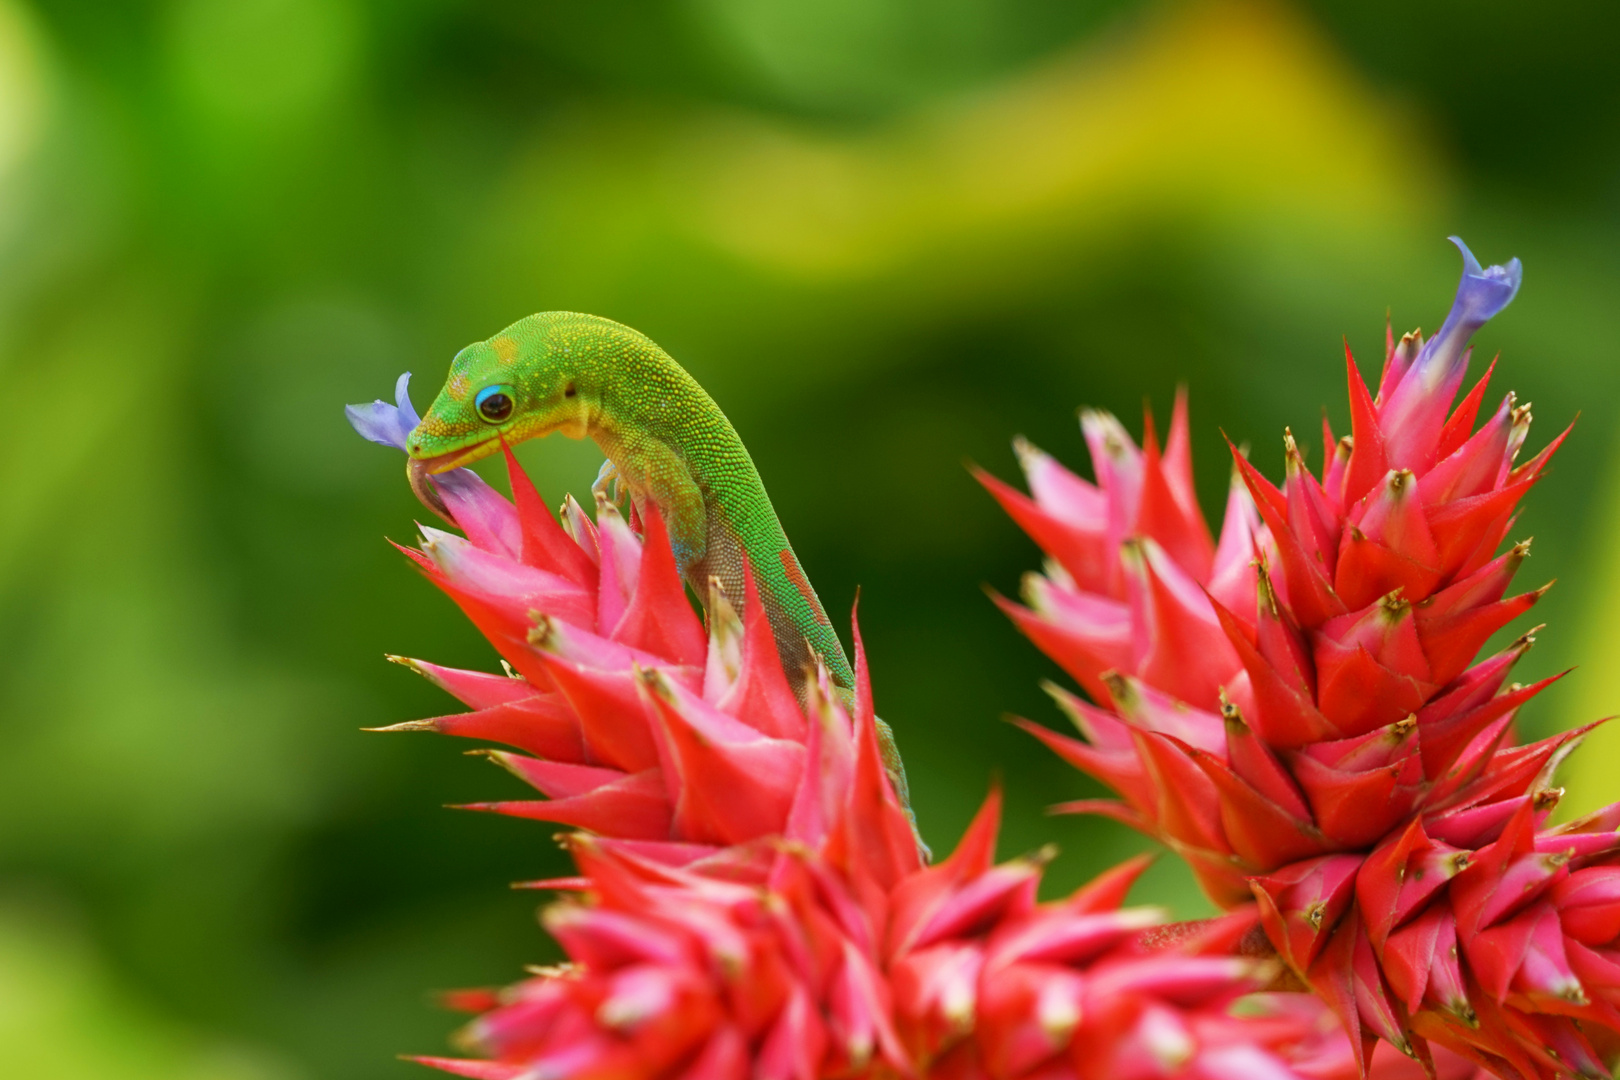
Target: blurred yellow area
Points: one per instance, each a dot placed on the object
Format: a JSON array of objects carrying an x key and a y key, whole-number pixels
[
  {"x": 1209, "y": 110},
  {"x": 1233, "y": 126},
  {"x": 1204, "y": 113},
  {"x": 1591, "y": 774}
]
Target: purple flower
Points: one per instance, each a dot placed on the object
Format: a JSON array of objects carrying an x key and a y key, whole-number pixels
[
  {"x": 380, "y": 422},
  {"x": 1419, "y": 395},
  {"x": 464, "y": 498},
  {"x": 1480, "y": 295}
]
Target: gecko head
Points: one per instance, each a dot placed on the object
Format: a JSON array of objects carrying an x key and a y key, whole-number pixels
[{"x": 527, "y": 381}]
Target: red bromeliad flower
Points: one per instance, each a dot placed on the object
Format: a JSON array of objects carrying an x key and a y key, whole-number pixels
[
  {"x": 752, "y": 903},
  {"x": 634, "y": 721},
  {"x": 813, "y": 968},
  {"x": 755, "y": 957},
  {"x": 1292, "y": 708}
]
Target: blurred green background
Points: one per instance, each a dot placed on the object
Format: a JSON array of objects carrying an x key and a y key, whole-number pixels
[{"x": 886, "y": 234}]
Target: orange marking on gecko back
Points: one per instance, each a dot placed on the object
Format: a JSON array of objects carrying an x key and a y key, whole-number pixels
[{"x": 790, "y": 567}]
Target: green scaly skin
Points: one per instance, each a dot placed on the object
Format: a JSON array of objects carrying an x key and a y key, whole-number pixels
[{"x": 669, "y": 444}]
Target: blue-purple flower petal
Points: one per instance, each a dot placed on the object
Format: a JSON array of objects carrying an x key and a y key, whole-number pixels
[
  {"x": 1482, "y": 293},
  {"x": 391, "y": 425},
  {"x": 382, "y": 423},
  {"x": 1414, "y": 412},
  {"x": 407, "y": 412}
]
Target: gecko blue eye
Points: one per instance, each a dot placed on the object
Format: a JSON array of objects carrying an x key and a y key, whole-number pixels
[{"x": 494, "y": 404}]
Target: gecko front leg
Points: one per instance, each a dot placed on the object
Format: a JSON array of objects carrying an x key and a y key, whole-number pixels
[{"x": 608, "y": 474}]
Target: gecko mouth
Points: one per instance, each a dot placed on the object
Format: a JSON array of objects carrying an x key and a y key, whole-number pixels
[{"x": 418, "y": 470}]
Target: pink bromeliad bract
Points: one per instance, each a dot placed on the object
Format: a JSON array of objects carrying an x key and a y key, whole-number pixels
[
  {"x": 750, "y": 900},
  {"x": 810, "y": 970},
  {"x": 1295, "y": 707},
  {"x": 634, "y": 721}
]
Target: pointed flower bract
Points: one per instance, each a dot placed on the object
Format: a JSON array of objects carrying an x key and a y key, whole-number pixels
[{"x": 1301, "y": 714}]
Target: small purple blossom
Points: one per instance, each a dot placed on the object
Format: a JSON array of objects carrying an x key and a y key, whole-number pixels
[
  {"x": 385, "y": 424},
  {"x": 1481, "y": 294},
  {"x": 1419, "y": 395},
  {"x": 474, "y": 505}
]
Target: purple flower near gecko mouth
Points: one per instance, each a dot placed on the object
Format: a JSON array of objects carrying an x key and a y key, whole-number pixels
[
  {"x": 391, "y": 425},
  {"x": 385, "y": 424}
]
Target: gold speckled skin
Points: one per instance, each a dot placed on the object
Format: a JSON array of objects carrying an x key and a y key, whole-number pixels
[{"x": 587, "y": 376}]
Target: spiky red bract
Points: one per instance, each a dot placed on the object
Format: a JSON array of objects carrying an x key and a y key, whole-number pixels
[
  {"x": 633, "y": 720},
  {"x": 750, "y": 900},
  {"x": 791, "y": 970},
  {"x": 1297, "y": 714}
]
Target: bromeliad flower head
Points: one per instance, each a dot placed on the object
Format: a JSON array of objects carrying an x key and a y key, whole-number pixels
[
  {"x": 675, "y": 973},
  {"x": 1293, "y": 708},
  {"x": 752, "y": 902},
  {"x": 957, "y": 972},
  {"x": 989, "y": 983},
  {"x": 633, "y": 720}
]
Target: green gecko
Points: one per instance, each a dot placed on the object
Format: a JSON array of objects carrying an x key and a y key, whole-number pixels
[{"x": 665, "y": 440}]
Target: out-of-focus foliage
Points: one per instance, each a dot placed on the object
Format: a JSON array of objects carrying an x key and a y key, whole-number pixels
[
  {"x": 66, "y": 1017},
  {"x": 886, "y": 234}
]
